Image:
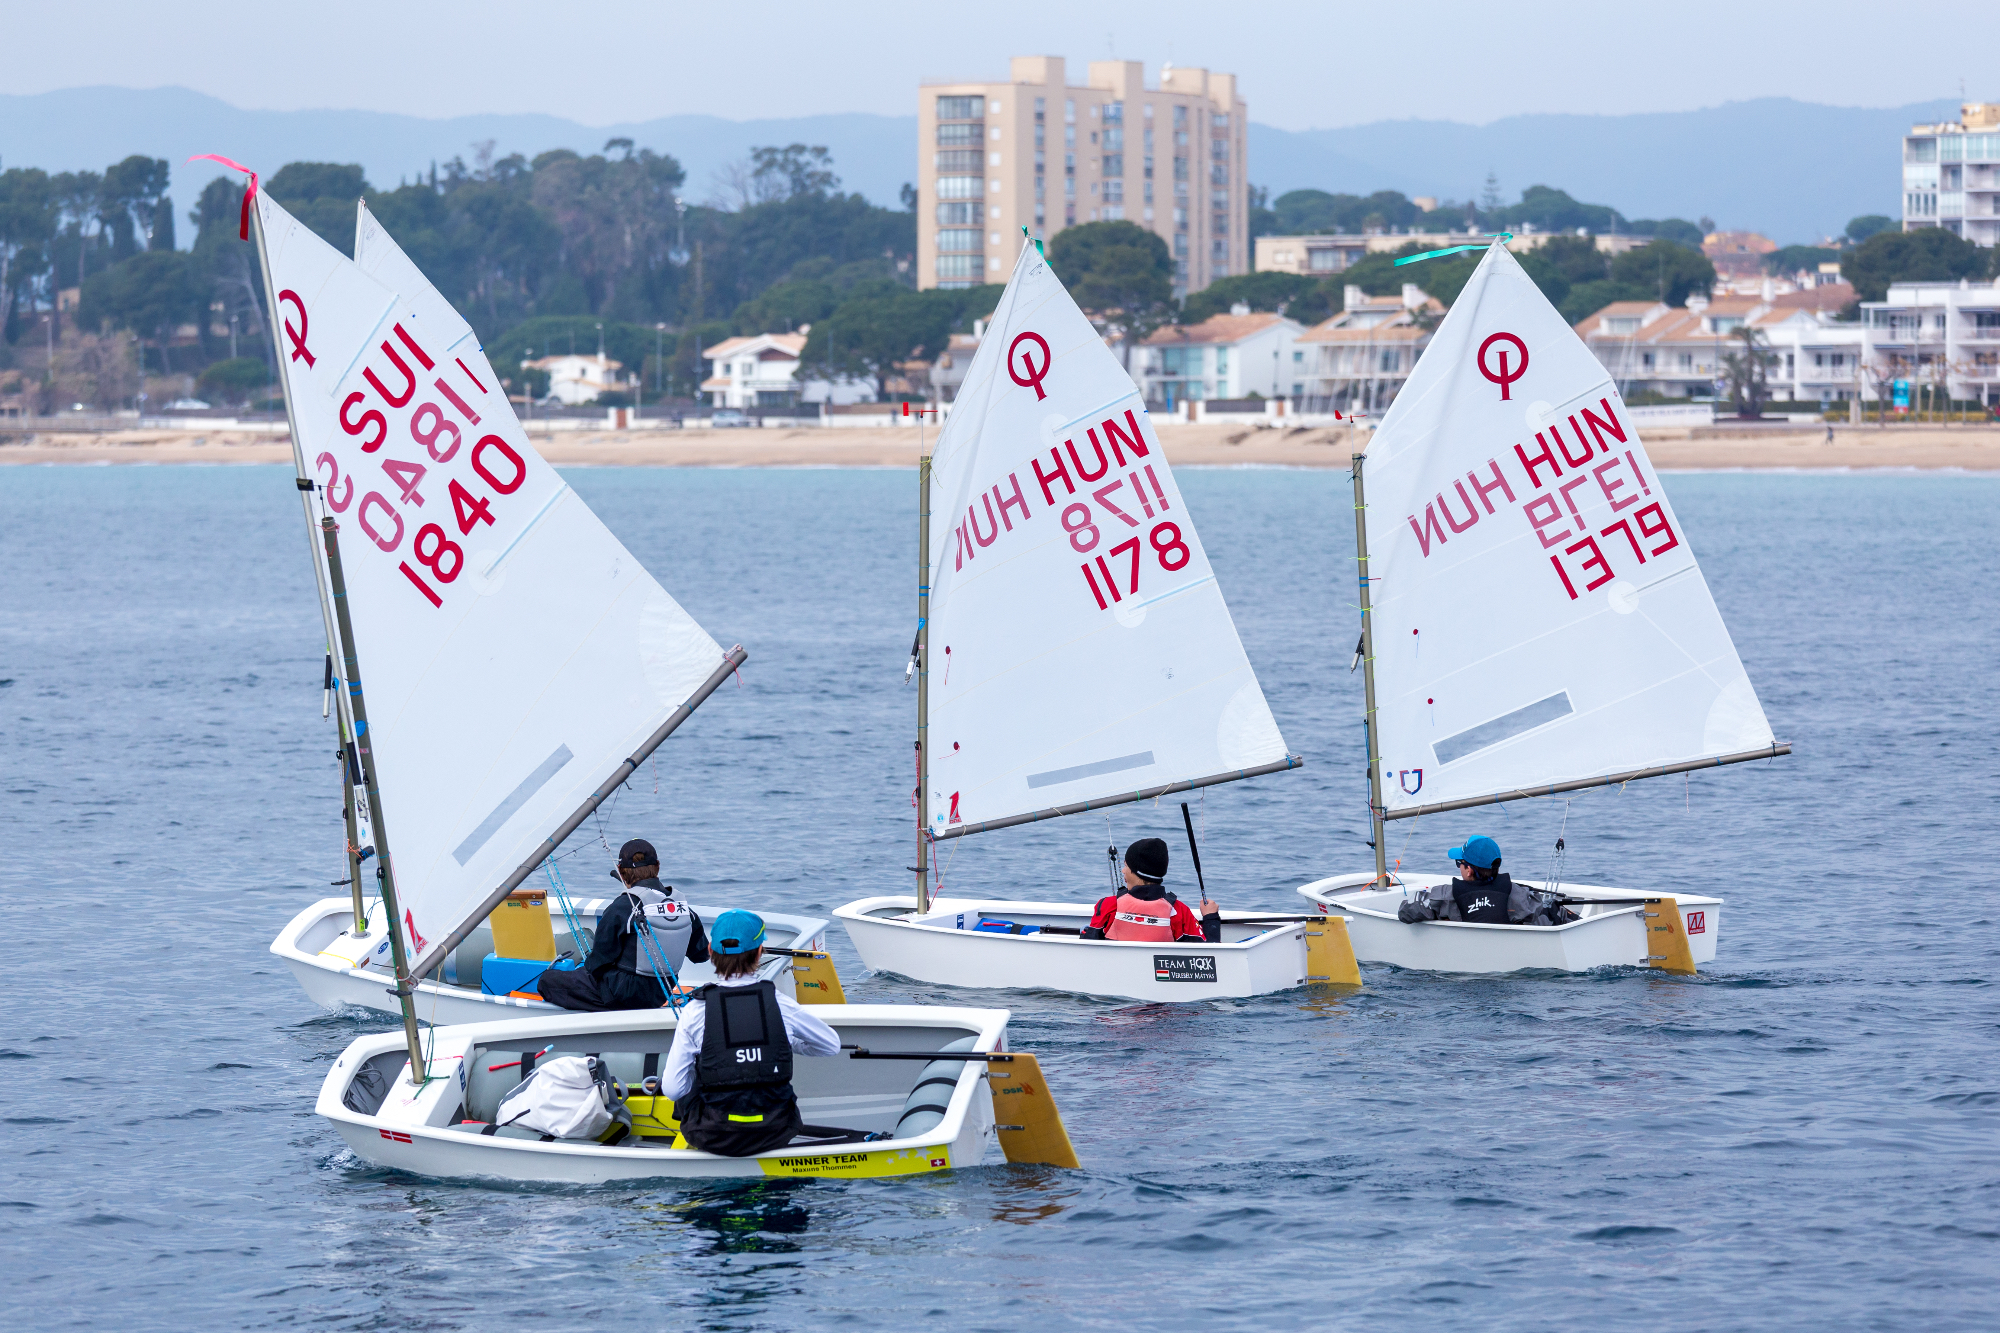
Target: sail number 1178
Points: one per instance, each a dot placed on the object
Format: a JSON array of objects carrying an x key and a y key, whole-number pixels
[{"x": 1169, "y": 548}]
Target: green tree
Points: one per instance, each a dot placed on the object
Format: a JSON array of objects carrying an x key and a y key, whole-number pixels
[
  {"x": 1562, "y": 262},
  {"x": 1119, "y": 271},
  {"x": 1867, "y": 225},
  {"x": 1550, "y": 209},
  {"x": 234, "y": 380},
  {"x": 1789, "y": 259},
  {"x": 1747, "y": 370},
  {"x": 152, "y": 293},
  {"x": 1678, "y": 230},
  {"x": 1929, "y": 254},
  {"x": 1294, "y": 294},
  {"x": 27, "y": 223},
  {"x": 1663, "y": 271},
  {"x": 132, "y": 202},
  {"x": 322, "y": 195}
]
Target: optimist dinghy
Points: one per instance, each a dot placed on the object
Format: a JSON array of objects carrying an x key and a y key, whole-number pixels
[
  {"x": 521, "y": 664},
  {"x": 1088, "y": 660},
  {"x": 1533, "y": 622},
  {"x": 932, "y": 1114}
]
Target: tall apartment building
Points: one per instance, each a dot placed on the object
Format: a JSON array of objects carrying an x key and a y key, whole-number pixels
[
  {"x": 1951, "y": 174},
  {"x": 1035, "y": 152}
]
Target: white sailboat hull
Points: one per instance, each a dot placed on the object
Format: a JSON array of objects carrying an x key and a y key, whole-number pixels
[
  {"x": 940, "y": 947},
  {"x": 317, "y": 942},
  {"x": 1607, "y": 936},
  {"x": 412, "y": 1129}
]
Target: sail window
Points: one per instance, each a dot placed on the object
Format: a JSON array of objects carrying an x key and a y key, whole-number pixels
[
  {"x": 507, "y": 809},
  {"x": 1060, "y": 775},
  {"x": 1505, "y": 727}
]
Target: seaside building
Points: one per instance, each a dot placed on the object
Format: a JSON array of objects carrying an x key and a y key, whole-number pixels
[
  {"x": 1038, "y": 153},
  {"x": 1738, "y": 256},
  {"x": 575, "y": 379},
  {"x": 1677, "y": 351},
  {"x": 1358, "y": 360},
  {"x": 1228, "y": 356},
  {"x": 1951, "y": 174},
  {"x": 763, "y": 371},
  {"x": 1320, "y": 255},
  {"x": 1941, "y": 334}
]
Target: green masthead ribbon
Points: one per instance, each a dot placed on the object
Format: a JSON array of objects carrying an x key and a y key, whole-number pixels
[
  {"x": 1456, "y": 249},
  {"x": 1038, "y": 245}
]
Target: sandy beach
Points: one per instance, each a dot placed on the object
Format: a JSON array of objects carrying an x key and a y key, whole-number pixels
[{"x": 1971, "y": 448}]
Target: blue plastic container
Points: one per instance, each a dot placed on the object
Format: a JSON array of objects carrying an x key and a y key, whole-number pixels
[{"x": 498, "y": 976}]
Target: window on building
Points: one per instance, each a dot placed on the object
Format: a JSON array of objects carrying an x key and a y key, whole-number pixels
[
  {"x": 957, "y": 239},
  {"x": 1069, "y": 186},
  {"x": 1114, "y": 192},
  {"x": 961, "y": 187},
  {"x": 957, "y": 160},
  {"x": 1069, "y": 112},
  {"x": 952, "y": 136},
  {"x": 1149, "y": 185},
  {"x": 1114, "y": 140},
  {"x": 1041, "y": 107},
  {"x": 1646, "y": 360},
  {"x": 1181, "y": 247},
  {"x": 1621, "y": 325},
  {"x": 957, "y": 215},
  {"x": 961, "y": 266},
  {"x": 1298, "y": 358},
  {"x": 994, "y": 107},
  {"x": 1114, "y": 113},
  {"x": 1069, "y": 136},
  {"x": 1218, "y": 148},
  {"x": 1180, "y": 170},
  {"x": 1218, "y": 175},
  {"x": 1114, "y": 164},
  {"x": 1114, "y": 213},
  {"x": 1687, "y": 360},
  {"x": 1986, "y": 321},
  {"x": 1920, "y": 150},
  {"x": 1221, "y": 120},
  {"x": 1392, "y": 359},
  {"x": 1180, "y": 117},
  {"x": 959, "y": 108}
]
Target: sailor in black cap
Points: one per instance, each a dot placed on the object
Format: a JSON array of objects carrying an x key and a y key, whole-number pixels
[
  {"x": 643, "y": 938},
  {"x": 1145, "y": 910}
]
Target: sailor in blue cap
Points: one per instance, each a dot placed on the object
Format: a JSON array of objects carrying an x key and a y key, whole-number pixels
[
  {"x": 729, "y": 1071},
  {"x": 1481, "y": 894}
]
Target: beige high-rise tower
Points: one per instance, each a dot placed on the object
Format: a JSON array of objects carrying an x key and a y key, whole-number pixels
[{"x": 1034, "y": 152}]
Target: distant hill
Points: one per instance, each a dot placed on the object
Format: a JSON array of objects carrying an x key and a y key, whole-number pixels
[{"x": 1793, "y": 170}]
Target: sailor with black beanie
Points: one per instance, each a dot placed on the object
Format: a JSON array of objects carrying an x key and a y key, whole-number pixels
[
  {"x": 1146, "y": 911},
  {"x": 645, "y": 928}
]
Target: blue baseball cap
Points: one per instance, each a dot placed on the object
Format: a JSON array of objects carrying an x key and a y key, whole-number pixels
[
  {"x": 1481, "y": 852},
  {"x": 737, "y": 931}
]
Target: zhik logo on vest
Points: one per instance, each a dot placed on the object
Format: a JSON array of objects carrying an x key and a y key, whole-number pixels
[{"x": 1482, "y": 902}]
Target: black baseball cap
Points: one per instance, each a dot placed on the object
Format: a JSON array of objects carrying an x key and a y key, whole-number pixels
[{"x": 636, "y": 853}]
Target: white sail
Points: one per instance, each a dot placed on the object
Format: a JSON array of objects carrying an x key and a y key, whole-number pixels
[
  {"x": 1538, "y": 613},
  {"x": 512, "y": 651},
  {"x": 1079, "y": 646}
]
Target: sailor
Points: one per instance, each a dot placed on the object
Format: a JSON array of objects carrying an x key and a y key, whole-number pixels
[
  {"x": 1145, "y": 910},
  {"x": 1481, "y": 894},
  {"x": 729, "y": 1071},
  {"x": 643, "y": 939}
]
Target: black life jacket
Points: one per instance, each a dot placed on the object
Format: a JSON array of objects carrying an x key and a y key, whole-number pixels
[
  {"x": 742, "y": 1102},
  {"x": 1484, "y": 903}
]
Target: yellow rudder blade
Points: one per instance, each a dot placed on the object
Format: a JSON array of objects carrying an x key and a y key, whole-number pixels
[
  {"x": 814, "y": 980},
  {"x": 1029, "y": 1126},
  {"x": 1667, "y": 938},
  {"x": 1330, "y": 957},
  {"x": 521, "y": 927}
]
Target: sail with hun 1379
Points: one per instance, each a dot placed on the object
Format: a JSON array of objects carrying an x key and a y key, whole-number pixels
[
  {"x": 1538, "y": 616},
  {"x": 1080, "y": 651},
  {"x": 514, "y": 652}
]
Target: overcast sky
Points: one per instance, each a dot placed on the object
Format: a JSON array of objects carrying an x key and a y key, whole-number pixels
[{"x": 1301, "y": 66}]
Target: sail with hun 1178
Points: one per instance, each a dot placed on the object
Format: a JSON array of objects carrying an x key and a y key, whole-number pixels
[
  {"x": 514, "y": 653},
  {"x": 1080, "y": 649},
  {"x": 1539, "y": 617}
]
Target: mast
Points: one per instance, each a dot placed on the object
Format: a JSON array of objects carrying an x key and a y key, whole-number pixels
[
  {"x": 304, "y": 482},
  {"x": 349, "y": 761},
  {"x": 923, "y": 673},
  {"x": 384, "y": 867},
  {"x": 1375, "y": 813}
]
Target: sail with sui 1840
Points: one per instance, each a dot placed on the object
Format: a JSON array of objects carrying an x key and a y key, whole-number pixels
[
  {"x": 514, "y": 652},
  {"x": 1539, "y": 617},
  {"x": 1080, "y": 648}
]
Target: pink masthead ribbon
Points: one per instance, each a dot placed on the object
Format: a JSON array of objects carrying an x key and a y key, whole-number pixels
[{"x": 243, "y": 230}]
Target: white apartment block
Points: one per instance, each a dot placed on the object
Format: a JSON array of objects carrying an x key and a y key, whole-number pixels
[
  {"x": 1224, "y": 357},
  {"x": 763, "y": 371},
  {"x": 1934, "y": 333},
  {"x": 1677, "y": 352},
  {"x": 1951, "y": 174},
  {"x": 1035, "y": 152}
]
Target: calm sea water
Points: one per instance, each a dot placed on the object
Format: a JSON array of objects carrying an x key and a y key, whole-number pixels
[{"x": 1804, "y": 1136}]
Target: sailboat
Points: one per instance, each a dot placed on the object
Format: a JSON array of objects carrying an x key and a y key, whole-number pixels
[
  {"x": 1073, "y": 652},
  {"x": 1533, "y": 623},
  {"x": 521, "y": 666},
  {"x": 521, "y": 663}
]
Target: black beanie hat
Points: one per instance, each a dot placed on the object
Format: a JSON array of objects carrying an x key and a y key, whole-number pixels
[
  {"x": 636, "y": 853},
  {"x": 1147, "y": 858}
]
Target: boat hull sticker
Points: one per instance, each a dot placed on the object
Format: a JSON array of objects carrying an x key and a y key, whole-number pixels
[{"x": 1184, "y": 967}]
